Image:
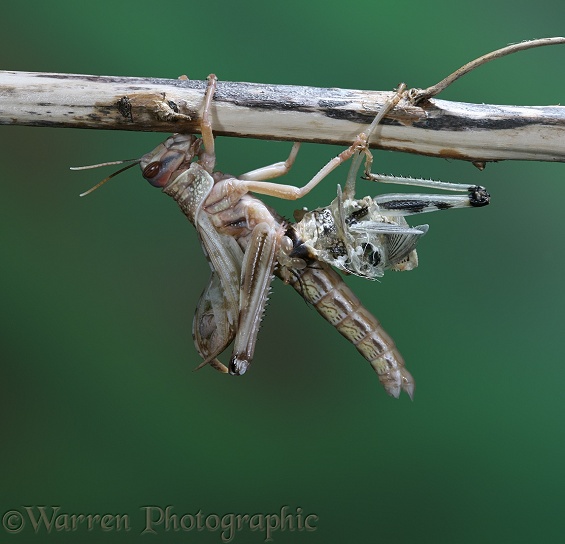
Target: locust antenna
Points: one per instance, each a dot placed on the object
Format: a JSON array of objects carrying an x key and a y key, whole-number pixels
[{"x": 92, "y": 189}]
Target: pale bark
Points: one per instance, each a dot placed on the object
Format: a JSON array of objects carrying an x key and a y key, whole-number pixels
[{"x": 473, "y": 132}]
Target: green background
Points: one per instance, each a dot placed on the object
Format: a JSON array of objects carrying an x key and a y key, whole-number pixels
[{"x": 100, "y": 410}]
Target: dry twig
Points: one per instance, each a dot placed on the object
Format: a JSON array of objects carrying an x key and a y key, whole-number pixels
[{"x": 419, "y": 124}]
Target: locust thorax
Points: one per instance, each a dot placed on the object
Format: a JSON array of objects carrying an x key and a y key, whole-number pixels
[{"x": 170, "y": 159}]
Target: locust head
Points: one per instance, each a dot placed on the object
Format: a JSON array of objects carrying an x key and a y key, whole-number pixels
[
  {"x": 169, "y": 159},
  {"x": 160, "y": 166}
]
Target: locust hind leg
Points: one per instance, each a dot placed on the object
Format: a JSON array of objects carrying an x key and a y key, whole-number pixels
[
  {"x": 256, "y": 277},
  {"x": 407, "y": 203}
]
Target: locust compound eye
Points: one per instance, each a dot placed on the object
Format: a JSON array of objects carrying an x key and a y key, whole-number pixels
[
  {"x": 158, "y": 170},
  {"x": 151, "y": 174}
]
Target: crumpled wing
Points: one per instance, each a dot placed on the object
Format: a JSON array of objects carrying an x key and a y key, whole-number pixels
[
  {"x": 400, "y": 249},
  {"x": 216, "y": 317},
  {"x": 211, "y": 330}
]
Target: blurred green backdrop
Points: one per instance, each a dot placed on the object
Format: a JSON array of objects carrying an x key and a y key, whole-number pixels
[{"x": 101, "y": 412}]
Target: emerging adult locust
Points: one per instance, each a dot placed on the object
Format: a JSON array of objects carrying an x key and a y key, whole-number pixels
[{"x": 247, "y": 242}]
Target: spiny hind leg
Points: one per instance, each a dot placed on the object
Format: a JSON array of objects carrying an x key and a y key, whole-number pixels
[
  {"x": 402, "y": 204},
  {"x": 256, "y": 277}
]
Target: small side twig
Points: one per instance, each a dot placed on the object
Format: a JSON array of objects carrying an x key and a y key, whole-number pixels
[{"x": 417, "y": 95}]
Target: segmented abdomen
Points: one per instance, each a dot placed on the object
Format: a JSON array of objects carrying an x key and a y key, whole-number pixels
[{"x": 333, "y": 299}]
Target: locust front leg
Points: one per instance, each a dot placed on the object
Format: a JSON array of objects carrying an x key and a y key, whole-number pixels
[{"x": 254, "y": 181}]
